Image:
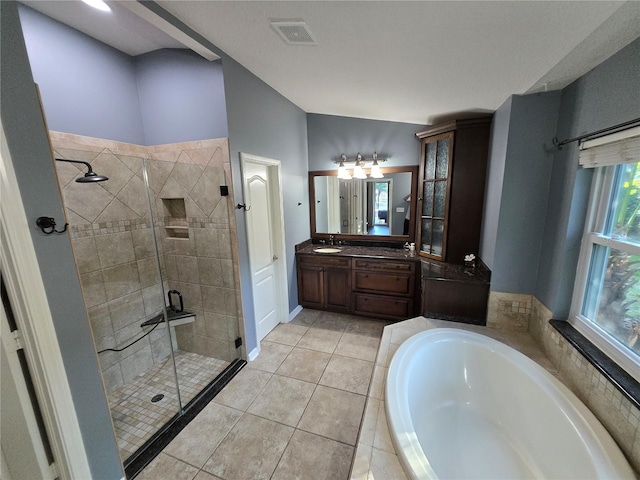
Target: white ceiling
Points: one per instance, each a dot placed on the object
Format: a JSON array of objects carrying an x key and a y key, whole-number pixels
[{"x": 406, "y": 61}]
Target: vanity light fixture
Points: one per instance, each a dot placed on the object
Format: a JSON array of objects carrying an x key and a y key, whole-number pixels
[
  {"x": 99, "y": 4},
  {"x": 360, "y": 163}
]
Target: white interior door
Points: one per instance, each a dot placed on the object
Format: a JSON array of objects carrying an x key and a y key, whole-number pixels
[{"x": 265, "y": 234}]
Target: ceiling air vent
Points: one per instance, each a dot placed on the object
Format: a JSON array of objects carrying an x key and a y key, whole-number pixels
[{"x": 294, "y": 32}]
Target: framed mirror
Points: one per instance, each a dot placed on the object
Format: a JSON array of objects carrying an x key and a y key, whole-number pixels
[{"x": 377, "y": 209}]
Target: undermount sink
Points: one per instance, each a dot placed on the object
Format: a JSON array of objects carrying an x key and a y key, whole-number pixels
[{"x": 327, "y": 250}]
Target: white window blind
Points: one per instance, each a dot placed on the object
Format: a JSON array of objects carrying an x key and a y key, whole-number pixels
[{"x": 620, "y": 147}]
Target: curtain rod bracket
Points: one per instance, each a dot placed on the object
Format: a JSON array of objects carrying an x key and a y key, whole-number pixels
[{"x": 596, "y": 134}]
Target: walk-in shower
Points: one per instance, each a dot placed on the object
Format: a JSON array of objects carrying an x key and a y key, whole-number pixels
[{"x": 154, "y": 250}]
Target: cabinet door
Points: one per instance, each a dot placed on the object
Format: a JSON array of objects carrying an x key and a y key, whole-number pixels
[
  {"x": 337, "y": 288},
  {"x": 433, "y": 202},
  {"x": 457, "y": 299},
  {"x": 311, "y": 287}
]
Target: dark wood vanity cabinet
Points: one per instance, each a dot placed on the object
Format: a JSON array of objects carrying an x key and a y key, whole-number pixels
[
  {"x": 364, "y": 286},
  {"x": 455, "y": 292},
  {"x": 451, "y": 185},
  {"x": 324, "y": 283},
  {"x": 383, "y": 288}
]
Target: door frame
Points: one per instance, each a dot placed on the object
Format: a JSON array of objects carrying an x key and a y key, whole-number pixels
[
  {"x": 280, "y": 268},
  {"x": 28, "y": 297}
]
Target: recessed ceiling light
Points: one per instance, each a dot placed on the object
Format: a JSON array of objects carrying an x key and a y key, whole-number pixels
[{"x": 99, "y": 4}]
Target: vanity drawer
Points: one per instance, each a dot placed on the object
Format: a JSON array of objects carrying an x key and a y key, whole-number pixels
[
  {"x": 324, "y": 260},
  {"x": 382, "y": 306},
  {"x": 384, "y": 265},
  {"x": 386, "y": 283}
]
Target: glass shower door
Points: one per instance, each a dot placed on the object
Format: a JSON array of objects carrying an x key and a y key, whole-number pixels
[
  {"x": 154, "y": 242},
  {"x": 118, "y": 262},
  {"x": 193, "y": 227}
]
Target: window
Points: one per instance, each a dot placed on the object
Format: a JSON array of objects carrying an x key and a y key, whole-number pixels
[{"x": 606, "y": 303}]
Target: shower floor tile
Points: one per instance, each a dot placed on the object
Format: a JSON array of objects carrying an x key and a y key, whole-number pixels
[{"x": 136, "y": 417}]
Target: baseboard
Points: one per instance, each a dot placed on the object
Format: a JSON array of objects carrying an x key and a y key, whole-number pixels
[
  {"x": 295, "y": 312},
  {"x": 252, "y": 355}
]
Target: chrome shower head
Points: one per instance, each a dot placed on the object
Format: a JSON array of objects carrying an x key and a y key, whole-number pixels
[{"x": 88, "y": 177}]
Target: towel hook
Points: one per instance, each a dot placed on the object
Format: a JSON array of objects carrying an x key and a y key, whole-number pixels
[{"x": 45, "y": 223}]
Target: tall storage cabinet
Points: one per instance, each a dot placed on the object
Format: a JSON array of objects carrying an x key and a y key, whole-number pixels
[{"x": 453, "y": 169}]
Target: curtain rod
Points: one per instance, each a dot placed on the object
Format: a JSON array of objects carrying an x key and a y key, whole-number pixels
[{"x": 596, "y": 134}]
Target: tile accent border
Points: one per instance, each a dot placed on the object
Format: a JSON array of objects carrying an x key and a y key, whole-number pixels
[
  {"x": 620, "y": 379},
  {"x": 581, "y": 368},
  {"x": 509, "y": 311}
]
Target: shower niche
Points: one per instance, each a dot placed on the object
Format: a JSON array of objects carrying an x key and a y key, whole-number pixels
[
  {"x": 156, "y": 231},
  {"x": 175, "y": 214}
]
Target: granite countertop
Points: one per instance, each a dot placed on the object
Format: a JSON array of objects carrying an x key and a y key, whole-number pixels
[
  {"x": 456, "y": 273},
  {"x": 431, "y": 269},
  {"x": 366, "y": 252}
]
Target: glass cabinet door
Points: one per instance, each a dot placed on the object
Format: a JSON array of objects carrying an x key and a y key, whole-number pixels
[{"x": 434, "y": 188}]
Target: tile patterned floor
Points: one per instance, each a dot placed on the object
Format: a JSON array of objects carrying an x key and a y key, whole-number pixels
[
  {"x": 136, "y": 418},
  {"x": 311, "y": 406},
  {"x": 294, "y": 412}
]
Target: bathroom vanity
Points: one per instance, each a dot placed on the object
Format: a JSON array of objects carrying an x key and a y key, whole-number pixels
[
  {"x": 372, "y": 281},
  {"x": 437, "y": 204},
  {"x": 390, "y": 283}
]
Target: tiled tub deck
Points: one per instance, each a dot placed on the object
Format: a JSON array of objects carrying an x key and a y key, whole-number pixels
[{"x": 375, "y": 456}]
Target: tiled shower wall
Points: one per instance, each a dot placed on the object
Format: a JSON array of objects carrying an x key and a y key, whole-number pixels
[
  {"x": 199, "y": 257},
  {"x": 111, "y": 235},
  {"x": 615, "y": 411}
]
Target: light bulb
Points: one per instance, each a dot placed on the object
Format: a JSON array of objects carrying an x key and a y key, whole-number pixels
[
  {"x": 375, "y": 170},
  {"x": 342, "y": 172},
  {"x": 358, "y": 171}
]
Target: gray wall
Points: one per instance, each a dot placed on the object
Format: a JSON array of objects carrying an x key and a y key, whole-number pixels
[
  {"x": 607, "y": 95},
  {"x": 29, "y": 147},
  {"x": 262, "y": 122},
  {"x": 493, "y": 188},
  {"x": 329, "y": 136},
  {"x": 181, "y": 97},
  {"x": 87, "y": 87},
  {"x": 525, "y": 188}
]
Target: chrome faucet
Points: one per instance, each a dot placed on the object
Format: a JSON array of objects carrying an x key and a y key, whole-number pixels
[{"x": 331, "y": 238}]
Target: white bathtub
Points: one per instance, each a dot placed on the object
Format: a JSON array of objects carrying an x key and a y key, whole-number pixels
[{"x": 462, "y": 405}]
